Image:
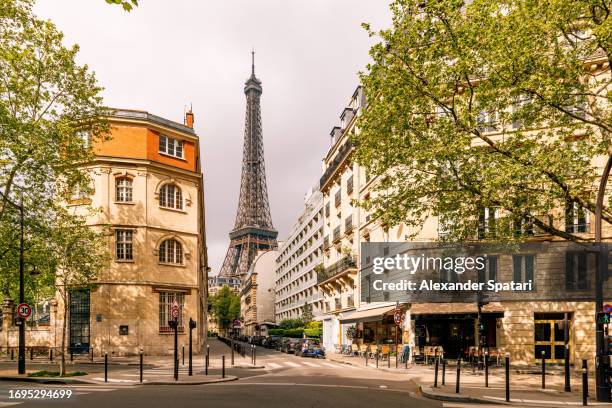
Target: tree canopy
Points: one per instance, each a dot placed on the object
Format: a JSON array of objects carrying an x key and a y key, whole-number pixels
[
  {"x": 225, "y": 307},
  {"x": 498, "y": 104}
]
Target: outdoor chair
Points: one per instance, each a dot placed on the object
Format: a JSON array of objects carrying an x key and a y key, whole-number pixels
[
  {"x": 385, "y": 351},
  {"x": 363, "y": 350},
  {"x": 354, "y": 350}
]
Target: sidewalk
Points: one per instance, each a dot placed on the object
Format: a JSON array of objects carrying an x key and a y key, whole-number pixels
[
  {"x": 525, "y": 388},
  {"x": 156, "y": 369}
]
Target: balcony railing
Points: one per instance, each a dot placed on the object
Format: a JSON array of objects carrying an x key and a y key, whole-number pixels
[
  {"x": 350, "y": 301},
  {"x": 348, "y": 224},
  {"x": 342, "y": 154},
  {"x": 346, "y": 263},
  {"x": 326, "y": 243},
  {"x": 336, "y": 233}
]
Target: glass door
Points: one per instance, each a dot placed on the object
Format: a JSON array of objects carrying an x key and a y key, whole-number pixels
[{"x": 79, "y": 321}]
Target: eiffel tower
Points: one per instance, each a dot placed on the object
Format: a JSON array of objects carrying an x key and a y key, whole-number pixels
[{"x": 253, "y": 230}]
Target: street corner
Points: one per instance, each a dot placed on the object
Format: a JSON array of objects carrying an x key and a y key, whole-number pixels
[
  {"x": 429, "y": 392},
  {"x": 196, "y": 381}
]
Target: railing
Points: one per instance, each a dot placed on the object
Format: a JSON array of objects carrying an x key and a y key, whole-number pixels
[
  {"x": 336, "y": 233},
  {"x": 342, "y": 154},
  {"x": 342, "y": 265}
]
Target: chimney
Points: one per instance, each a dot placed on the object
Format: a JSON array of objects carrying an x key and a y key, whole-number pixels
[{"x": 189, "y": 119}]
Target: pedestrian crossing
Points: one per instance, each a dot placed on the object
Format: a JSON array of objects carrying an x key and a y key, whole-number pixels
[
  {"x": 77, "y": 390},
  {"x": 283, "y": 364}
]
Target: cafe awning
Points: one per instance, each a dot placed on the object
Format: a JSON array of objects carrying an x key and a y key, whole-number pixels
[{"x": 369, "y": 315}]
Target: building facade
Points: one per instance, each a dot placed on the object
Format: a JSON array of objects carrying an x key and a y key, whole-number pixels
[
  {"x": 147, "y": 183},
  {"x": 300, "y": 258},
  {"x": 257, "y": 295}
]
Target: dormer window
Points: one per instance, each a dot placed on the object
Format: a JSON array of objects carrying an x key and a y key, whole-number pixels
[
  {"x": 170, "y": 196},
  {"x": 171, "y": 147}
]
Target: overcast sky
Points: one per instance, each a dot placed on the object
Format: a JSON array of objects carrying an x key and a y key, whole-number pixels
[{"x": 165, "y": 55}]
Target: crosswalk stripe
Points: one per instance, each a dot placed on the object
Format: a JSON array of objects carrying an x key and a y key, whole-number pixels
[
  {"x": 290, "y": 364},
  {"x": 274, "y": 365},
  {"x": 310, "y": 364},
  {"x": 330, "y": 365}
]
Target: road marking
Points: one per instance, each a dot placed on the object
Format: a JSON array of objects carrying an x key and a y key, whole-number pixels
[
  {"x": 290, "y": 364},
  {"x": 330, "y": 365},
  {"x": 274, "y": 365},
  {"x": 310, "y": 364},
  {"x": 9, "y": 404}
]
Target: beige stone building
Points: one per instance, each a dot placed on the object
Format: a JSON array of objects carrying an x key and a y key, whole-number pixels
[
  {"x": 257, "y": 295},
  {"x": 215, "y": 284},
  {"x": 147, "y": 182}
]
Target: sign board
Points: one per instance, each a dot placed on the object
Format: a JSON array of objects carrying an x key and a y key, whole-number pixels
[
  {"x": 175, "y": 311},
  {"x": 398, "y": 316},
  {"x": 237, "y": 324},
  {"x": 607, "y": 308},
  {"x": 24, "y": 310}
]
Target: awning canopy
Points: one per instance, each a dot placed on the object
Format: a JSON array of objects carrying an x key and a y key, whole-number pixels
[
  {"x": 454, "y": 308},
  {"x": 369, "y": 315}
]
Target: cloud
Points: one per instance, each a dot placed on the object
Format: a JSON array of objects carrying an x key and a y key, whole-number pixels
[{"x": 164, "y": 56}]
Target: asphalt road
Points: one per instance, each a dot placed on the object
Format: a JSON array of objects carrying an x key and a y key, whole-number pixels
[{"x": 286, "y": 381}]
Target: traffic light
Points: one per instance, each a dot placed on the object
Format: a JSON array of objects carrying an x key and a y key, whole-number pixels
[
  {"x": 603, "y": 318},
  {"x": 192, "y": 324}
]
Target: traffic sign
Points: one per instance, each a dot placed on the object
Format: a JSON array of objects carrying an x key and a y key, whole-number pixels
[
  {"x": 175, "y": 311},
  {"x": 607, "y": 308},
  {"x": 24, "y": 310},
  {"x": 398, "y": 316}
]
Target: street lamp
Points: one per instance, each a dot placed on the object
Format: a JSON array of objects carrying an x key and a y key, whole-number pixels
[{"x": 21, "y": 368}]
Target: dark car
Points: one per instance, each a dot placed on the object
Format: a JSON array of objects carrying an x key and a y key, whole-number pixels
[
  {"x": 256, "y": 340},
  {"x": 271, "y": 342},
  {"x": 310, "y": 348},
  {"x": 289, "y": 344}
]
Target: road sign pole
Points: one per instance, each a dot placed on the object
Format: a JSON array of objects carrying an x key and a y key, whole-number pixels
[{"x": 175, "y": 349}]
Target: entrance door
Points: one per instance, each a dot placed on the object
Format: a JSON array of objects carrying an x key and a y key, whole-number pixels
[
  {"x": 550, "y": 339},
  {"x": 79, "y": 321}
]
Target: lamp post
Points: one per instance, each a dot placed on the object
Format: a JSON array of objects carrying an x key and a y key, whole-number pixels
[{"x": 21, "y": 367}]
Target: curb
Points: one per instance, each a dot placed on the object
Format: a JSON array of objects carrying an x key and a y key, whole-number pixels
[
  {"x": 246, "y": 366},
  {"x": 427, "y": 392},
  {"x": 47, "y": 380},
  {"x": 196, "y": 382}
]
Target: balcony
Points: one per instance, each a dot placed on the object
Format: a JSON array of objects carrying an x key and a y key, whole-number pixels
[
  {"x": 344, "y": 264},
  {"x": 336, "y": 163},
  {"x": 348, "y": 224},
  {"x": 350, "y": 301},
  {"x": 336, "y": 233},
  {"x": 326, "y": 243}
]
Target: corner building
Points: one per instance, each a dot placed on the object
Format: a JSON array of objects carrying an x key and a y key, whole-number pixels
[{"x": 148, "y": 188}]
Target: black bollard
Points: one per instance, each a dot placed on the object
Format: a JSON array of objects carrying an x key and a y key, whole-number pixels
[
  {"x": 141, "y": 364},
  {"x": 389, "y": 359},
  {"x": 233, "y": 353},
  {"x": 377, "y": 359},
  {"x": 183, "y": 354},
  {"x": 71, "y": 354},
  {"x": 50, "y": 354},
  {"x": 458, "y": 375},
  {"x": 585, "y": 386},
  {"x": 206, "y": 366},
  {"x": 486, "y": 368},
  {"x": 507, "y": 377},
  {"x": 222, "y": 366},
  {"x": 443, "y": 371},
  {"x": 254, "y": 355},
  {"x": 543, "y": 370},
  {"x": 105, "y": 367},
  {"x": 436, "y": 373},
  {"x": 31, "y": 353},
  {"x": 366, "y": 357}
]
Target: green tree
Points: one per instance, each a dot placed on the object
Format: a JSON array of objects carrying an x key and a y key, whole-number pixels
[
  {"x": 50, "y": 113},
  {"x": 127, "y": 5},
  {"x": 80, "y": 253},
  {"x": 446, "y": 73},
  {"x": 225, "y": 307},
  {"x": 307, "y": 315}
]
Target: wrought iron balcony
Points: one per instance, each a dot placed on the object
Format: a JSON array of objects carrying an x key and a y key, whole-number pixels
[
  {"x": 336, "y": 233},
  {"x": 344, "y": 264}
]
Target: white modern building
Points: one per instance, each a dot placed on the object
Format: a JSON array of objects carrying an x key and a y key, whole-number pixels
[{"x": 298, "y": 261}]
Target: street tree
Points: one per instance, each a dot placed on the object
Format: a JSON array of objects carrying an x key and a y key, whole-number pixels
[
  {"x": 51, "y": 112},
  {"x": 79, "y": 253},
  {"x": 225, "y": 307},
  {"x": 488, "y": 107}
]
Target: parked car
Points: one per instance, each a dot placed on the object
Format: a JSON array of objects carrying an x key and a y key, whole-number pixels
[
  {"x": 271, "y": 342},
  {"x": 256, "y": 340},
  {"x": 289, "y": 344},
  {"x": 310, "y": 347}
]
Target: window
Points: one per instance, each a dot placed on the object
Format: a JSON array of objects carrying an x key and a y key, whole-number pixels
[
  {"x": 575, "y": 271},
  {"x": 489, "y": 272},
  {"x": 170, "y": 146},
  {"x": 576, "y": 218},
  {"x": 124, "y": 248},
  {"x": 524, "y": 269},
  {"x": 171, "y": 251},
  {"x": 123, "y": 190},
  {"x": 166, "y": 299},
  {"x": 487, "y": 220},
  {"x": 85, "y": 136},
  {"x": 170, "y": 196}
]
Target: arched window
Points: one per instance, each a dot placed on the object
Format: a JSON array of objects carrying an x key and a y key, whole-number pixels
[
  {"x": 123, "y": 190},
  {"x": 171, "y": 251},
  {"x": 170, "y": 196}
]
